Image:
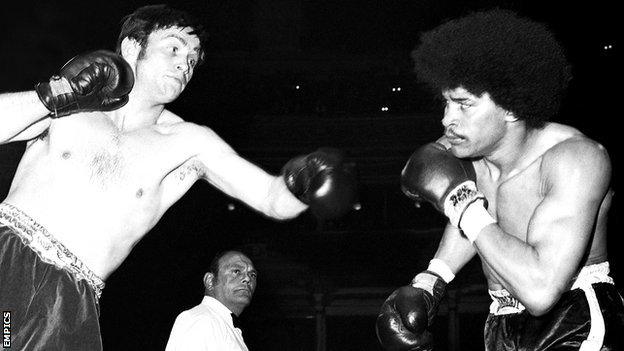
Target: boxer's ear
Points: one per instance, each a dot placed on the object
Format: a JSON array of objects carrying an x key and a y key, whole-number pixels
[
  {"x": 510, "y": 116},
  {"x": 130, "y": 50}
]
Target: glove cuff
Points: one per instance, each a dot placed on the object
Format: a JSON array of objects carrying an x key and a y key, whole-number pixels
[
  {"x": 429, "y": 282},
  {"x": 297, "y": 184},
  {"x": 57, "y": 96},
  {"x": 474, "y": 219}
]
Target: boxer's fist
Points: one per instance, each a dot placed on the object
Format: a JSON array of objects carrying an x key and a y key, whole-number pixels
[
  {"x": 407, "y": 313},
  {"x": 433, "y": 174},
  {"x": 95, "y": 81},
  {"x": 323, "y": 181}
]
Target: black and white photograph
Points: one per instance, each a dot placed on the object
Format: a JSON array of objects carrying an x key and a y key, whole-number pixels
[{"x": 299, "y": 175}]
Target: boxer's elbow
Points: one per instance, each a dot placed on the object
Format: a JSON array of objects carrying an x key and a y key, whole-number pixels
[
  {"x": 539, "y": 308},
  {"x": 540, "y": 300}
]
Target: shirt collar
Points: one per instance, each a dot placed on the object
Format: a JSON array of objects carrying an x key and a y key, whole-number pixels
[{"x": 217, "y": 306}]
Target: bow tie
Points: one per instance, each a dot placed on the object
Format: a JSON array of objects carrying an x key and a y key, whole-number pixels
[{"x": 236, "y": 321}]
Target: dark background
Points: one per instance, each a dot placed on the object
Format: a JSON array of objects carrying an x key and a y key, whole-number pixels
[{"x": 320, "y": 284}]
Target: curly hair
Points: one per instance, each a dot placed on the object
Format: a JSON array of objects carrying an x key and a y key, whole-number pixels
[
  {"x": 517, "y": 61},
  {"x": 146, "y": 19}
]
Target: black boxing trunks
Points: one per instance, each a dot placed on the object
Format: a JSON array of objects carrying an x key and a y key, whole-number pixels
[
  {"x": 588, "y": 317},
  {"x": 48, "y": 297}
]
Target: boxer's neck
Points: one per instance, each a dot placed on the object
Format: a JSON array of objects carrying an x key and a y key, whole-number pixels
[{"x": 135, "y": 115}]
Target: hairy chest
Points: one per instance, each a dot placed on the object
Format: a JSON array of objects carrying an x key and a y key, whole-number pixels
[{"x": 94, "y": 148}]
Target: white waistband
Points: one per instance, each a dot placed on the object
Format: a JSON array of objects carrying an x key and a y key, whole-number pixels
[
  {"x": 50, "y": 250},
  {"x": 504, "y": 303},
  {"x": 595, "y": 273}
]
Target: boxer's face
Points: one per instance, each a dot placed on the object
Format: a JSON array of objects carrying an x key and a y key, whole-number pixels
[
  {"x": 236, "y": 281},
  {"x": 167, "y": 63},
  {"x": 473, "y": 125}
]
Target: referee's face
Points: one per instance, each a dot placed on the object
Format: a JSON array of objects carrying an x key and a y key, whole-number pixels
[{"x": 236, "y": 281}]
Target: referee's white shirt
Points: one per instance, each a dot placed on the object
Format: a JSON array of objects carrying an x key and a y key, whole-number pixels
[{"x": 206, "y": 327}]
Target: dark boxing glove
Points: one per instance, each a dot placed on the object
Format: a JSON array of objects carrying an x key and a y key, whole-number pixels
[
  {"x": 408, "y": 312},
  {"x": 433, "y": 174},
  {"x": 323, "y": 181},
  {"x": 95, "y": 81}
]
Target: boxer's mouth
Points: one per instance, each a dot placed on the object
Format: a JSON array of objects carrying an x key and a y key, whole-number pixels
[
  {"x": 180, "y": 80},
  {"x": 453, "y": 138}
]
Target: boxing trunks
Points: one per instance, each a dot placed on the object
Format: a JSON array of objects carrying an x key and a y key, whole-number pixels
[
  {"x": 47, "y": 295},
  {"x": 590, "y": 316}
]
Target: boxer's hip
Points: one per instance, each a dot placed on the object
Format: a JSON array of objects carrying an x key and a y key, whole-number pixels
[
  {"x": 50, "y": 296},
  {"x": 586, "y": 317},
  {"x": 46, "y": 247}
]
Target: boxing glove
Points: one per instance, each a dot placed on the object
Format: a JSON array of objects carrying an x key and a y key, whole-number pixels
[
  {"x": 95, "y": 81},
  {"x": 433, "y": 174},
  {"x": 323, "y": 181},
  {"x": 407, "y": 313}
]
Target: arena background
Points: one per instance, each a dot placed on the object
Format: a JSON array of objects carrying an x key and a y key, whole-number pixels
[{"x": 283, "y": 77}]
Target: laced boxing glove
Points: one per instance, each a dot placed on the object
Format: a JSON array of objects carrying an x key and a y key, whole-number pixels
[
  {"x": 408, "y": 312},
  {"x": 433, "y": 174},
  {"x": 323, "y": 181},
  {"x": 95, "y": 81}
]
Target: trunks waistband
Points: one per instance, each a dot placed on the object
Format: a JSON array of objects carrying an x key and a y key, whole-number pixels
[
  {"x": 51, "y": 251},
  {"x": 504, "y": 303}
]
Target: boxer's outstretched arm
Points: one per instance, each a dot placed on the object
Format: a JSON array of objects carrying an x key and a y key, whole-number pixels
[
  {"x": 321, "y": 180},
  {"x": 206, "y": 156},
  {"x": 22, "y": 116},
  {"x": 247, "y": 182}
]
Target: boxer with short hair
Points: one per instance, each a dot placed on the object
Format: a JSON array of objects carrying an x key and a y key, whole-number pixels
[
  {"x": 105, "y": 160},
  {"x": 528, "y": 196}
]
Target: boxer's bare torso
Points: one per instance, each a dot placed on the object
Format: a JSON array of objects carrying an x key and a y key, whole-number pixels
[
  {"x": 98, "y": 189},
  {"x": 514, "y": 198}
]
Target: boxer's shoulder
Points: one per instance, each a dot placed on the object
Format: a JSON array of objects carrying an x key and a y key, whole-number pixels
[
  {"x": 556, "y": 145},
  {"x": 168, "y": 117},
  {"x": 574, "y": 161},
  {"x": 578, "y": 151}
]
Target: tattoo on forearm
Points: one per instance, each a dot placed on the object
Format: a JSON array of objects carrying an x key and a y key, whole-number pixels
[{"x": 194, "y": 169}]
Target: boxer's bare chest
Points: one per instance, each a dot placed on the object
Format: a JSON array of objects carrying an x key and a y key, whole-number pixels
[
  {"x": 513, "y": 201},
  {"x": 108, "y": 181},
  {"x": 95, "y": 150}
]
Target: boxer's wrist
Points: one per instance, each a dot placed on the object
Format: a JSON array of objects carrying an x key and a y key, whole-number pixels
[
  {"x": 474, "y": 219},
  {"x": 440, "y": 268},
  {"x": 459, "y": 199}
]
